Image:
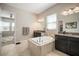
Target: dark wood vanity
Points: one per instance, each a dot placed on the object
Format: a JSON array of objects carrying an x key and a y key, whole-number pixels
[{"x": 68, "y": 44}]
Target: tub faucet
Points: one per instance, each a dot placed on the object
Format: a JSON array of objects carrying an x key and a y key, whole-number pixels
[{"x": 39, "y": 39}]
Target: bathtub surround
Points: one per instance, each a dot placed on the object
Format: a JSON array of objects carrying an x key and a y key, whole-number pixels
[{"x": 40, "y": 46}]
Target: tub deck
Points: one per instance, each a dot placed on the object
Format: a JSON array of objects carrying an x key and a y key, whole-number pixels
[{"x": 41, "y": 48}]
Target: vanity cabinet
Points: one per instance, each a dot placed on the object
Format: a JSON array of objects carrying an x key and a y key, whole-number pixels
[
  {"x": 68, "y": 45},
  {"x": 74, "y": 46},
  {"x": 62, "y": 43}
]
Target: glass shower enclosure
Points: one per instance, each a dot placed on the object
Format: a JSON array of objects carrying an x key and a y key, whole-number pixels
[{"x": 7, "y": 30}]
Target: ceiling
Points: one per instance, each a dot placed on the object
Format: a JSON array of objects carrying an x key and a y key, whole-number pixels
[{"x": 32, "y": 7}]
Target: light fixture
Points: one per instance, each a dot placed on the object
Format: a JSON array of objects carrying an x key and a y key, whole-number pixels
[
  {"x": 65, "y": 13},
  {"x": 41, "y": 20},
  {"x": 70, "y": 11},
  {"x": 76, "y": 9}
]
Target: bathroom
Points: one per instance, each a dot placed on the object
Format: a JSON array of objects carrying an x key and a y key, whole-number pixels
[{"x": 34, "y": 33}]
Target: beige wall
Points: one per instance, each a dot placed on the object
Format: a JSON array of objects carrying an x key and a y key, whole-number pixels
[
  {"x": 22, "y": 19},
  {"x": 58, "y": 8}
]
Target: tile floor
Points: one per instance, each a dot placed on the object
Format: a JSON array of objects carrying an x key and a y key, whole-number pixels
[{"x": 22, "y": 50}]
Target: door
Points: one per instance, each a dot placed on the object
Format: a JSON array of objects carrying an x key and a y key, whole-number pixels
[
  {"x": 74, "y": 46},
  {"x": 61, "y": 43}
]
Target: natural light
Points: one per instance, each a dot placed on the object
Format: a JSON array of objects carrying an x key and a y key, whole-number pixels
[{"x": 51, "y": 22}]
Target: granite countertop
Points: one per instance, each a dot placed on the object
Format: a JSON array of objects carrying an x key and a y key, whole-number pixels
[{"x": 69, "y": 35}]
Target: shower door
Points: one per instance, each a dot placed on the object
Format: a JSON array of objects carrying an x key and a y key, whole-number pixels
[
  {"x": 0, "y": 42},
  {"x": 7, "y": 31}
]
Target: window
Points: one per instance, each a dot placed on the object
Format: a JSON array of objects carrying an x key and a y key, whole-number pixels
[
  {"x": 51, "y": 22},
  {"x": 4, "y": 26}
]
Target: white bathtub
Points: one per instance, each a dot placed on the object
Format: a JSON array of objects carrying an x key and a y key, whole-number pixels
[
  {"x": 41, "y": 45},
  {"x": 42, "y": 40}
]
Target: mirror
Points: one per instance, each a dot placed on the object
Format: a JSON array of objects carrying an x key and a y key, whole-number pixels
[{"x": 70, "y": 22}]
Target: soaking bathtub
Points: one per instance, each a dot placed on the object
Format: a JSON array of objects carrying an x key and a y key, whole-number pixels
[{"x": 41, "y": 46}]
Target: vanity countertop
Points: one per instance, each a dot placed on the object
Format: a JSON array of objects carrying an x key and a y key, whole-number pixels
[{"x": 69, "y": 35}]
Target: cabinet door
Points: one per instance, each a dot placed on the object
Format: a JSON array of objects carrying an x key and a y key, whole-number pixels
[
  {"x": 74, "y": 46},
  {"x": 61, "y": 43}
]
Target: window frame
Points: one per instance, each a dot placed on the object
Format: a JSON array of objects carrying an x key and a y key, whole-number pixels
[{"x": 51, "y": 22}]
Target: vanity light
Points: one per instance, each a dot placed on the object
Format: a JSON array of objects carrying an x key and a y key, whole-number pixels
[
  {"x": 76, "y": 9},
  {"x": 71, "y": 11},
  {"x": 65, "y": 13}
]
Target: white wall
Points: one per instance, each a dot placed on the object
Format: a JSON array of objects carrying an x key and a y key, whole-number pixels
[{"x": 22, "y": 19}]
